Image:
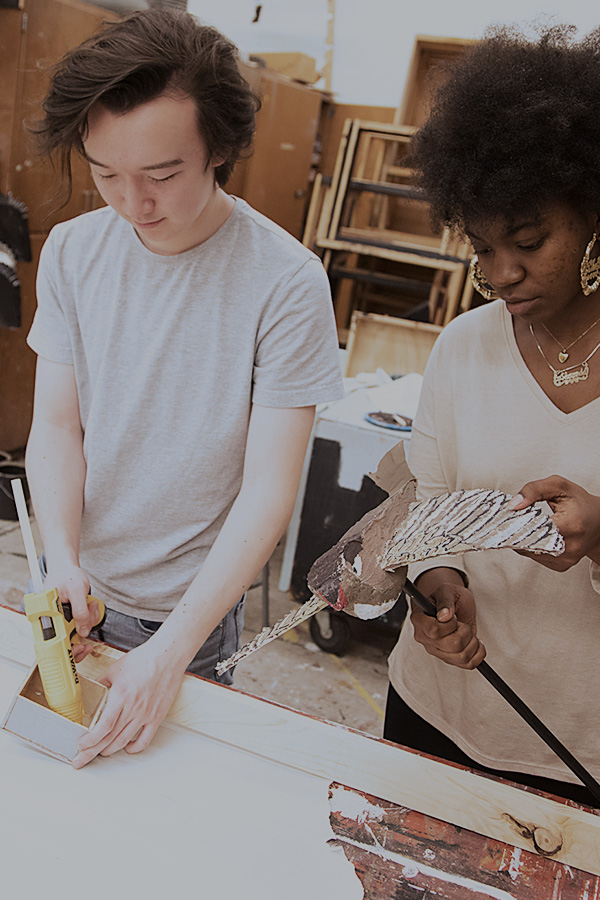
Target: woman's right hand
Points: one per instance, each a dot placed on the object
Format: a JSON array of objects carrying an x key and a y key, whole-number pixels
[{"x": 452, "y": 635}]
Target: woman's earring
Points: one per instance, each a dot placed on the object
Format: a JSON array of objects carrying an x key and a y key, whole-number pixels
[
  {"x": 590, "y": 270},
  {"x": 479, "y": 282}
]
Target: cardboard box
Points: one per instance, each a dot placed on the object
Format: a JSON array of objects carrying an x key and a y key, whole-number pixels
[
  {"x": 30, "y": 718},
  {"x": 298, "y": 66}
]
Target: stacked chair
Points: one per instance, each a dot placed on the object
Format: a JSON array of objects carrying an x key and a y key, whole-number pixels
[{"x": 372, "y": 229}]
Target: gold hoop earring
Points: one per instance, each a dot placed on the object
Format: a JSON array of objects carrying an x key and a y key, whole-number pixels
[
  {"x": 590, "y": 270},
  {"x": 479, "y": 282}
]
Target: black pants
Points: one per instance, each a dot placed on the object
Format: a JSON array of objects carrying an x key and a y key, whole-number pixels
[{"x": 403, "y": 726}]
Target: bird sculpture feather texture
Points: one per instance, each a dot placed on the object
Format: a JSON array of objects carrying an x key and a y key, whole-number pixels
[
  {"x": 469, "y": 520},
  {"x": 361, "y": 579}
]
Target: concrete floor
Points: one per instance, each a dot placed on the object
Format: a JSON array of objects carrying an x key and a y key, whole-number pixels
[{"x": 292, "y": 670}]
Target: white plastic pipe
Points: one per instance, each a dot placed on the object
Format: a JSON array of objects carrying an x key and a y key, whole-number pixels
[{"x": 27, "y": 533}]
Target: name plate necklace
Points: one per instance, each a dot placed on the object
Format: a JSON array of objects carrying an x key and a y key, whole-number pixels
[{"x": 571, "y": 374}]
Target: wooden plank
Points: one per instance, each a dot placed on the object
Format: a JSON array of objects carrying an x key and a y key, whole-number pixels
[
  {"x": 382, "y": 279},
  {"x": 365, "y": 763},
  {"x": 187, "y": 817},
  {"x": 406, "y": 240},
  {"x": 454, "y": 288},
  {"x": 328, "y": 203},
  {"x": 400, "y": 255},
  {"x": 387, "y": 128},
  {"x": 314, "y": 211},
  {"x": 340, "y": 178},
  {"x": 402, "y": 854}
]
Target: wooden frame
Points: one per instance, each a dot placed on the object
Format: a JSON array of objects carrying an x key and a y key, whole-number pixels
[
  {"x": 367, "y": 167},
  {"x": 428, "y": 52},
  {"x": 456, "y": 795},
  {"x": 350, "y": 156}
]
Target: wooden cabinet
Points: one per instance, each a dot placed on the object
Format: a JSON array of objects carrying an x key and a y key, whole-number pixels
[
  {"x": 427, "y": 71},
  {"x": 32, "y": 38},
  {"x": 275, "y": 179}
]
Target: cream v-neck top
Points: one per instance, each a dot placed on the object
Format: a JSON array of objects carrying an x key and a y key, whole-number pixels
[{"x": 484, "y": 422}]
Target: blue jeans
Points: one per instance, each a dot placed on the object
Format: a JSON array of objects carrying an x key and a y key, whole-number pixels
[{"x": 127, "y": 632}]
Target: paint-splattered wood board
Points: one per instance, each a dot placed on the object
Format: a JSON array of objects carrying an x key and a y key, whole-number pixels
[
  {"x": 400, "y": 854},
  {"x": 325, "y": 750}
]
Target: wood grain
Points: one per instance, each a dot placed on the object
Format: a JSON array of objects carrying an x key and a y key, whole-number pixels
[
  {"x": 489, "y": 807},
  {"x": 397, "y": 345},
  {"x": 398, "y": 853}
]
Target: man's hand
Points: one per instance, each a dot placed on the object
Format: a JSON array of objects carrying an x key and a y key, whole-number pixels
[
  {"x": 452, "y": 635},
  {"x": 73, "y": 587},
  {"x": 576, "y": 514},
  {"x": 143, "y": 684}
]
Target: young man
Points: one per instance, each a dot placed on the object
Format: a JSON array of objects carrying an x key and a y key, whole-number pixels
[{"x": 183, "y": 341}]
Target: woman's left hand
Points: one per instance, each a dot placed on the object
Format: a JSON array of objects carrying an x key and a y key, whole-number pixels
[
  {"x": 576, "y": 514},
  {"x": 143, "y": 684}
]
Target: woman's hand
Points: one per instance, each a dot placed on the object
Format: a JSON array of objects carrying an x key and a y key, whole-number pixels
[
  {"x": 452, "y": 635},
  {"x": 143, "y": 684},
  {"x": 576, "y": 514}
]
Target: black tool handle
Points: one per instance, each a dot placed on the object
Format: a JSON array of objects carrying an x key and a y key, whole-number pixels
[{"x": 429, "y": 608}]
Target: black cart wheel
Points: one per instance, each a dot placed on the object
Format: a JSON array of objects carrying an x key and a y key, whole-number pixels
[{"x": 331, "y": 631}]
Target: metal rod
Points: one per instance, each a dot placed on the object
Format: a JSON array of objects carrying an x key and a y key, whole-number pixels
[{"x": 515, "y": 701}]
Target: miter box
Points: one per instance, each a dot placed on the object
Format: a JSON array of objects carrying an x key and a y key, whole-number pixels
[{"x": 30, "y": 718}]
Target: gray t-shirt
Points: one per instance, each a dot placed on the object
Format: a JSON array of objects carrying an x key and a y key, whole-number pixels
[{"x": 169, "y": 354}]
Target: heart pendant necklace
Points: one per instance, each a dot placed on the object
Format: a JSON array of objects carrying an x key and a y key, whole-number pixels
[
  {"x": 570, "y": 375},
  {"x": 563, "y": 353}
]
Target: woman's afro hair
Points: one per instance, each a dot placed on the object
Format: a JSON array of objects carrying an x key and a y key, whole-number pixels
[{"x": 516, "y": 125}]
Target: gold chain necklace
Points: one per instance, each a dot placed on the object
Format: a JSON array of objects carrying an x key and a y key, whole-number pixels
[
  {"x": 566, "y": 376},
  {"x": 564, "y": 355}
]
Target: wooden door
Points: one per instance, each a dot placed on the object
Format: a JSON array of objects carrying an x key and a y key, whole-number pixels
[{"x": 52, "y": 28}]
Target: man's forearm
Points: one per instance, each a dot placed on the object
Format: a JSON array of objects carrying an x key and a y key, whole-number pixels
[
  {"x": 56, "y": 477},
  {"x": 246, "y": 541}
]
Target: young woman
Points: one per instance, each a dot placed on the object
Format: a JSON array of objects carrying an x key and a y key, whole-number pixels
[{"x": 510, "y": 156}]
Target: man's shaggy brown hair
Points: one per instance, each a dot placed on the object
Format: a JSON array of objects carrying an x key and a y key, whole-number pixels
[{"x": 134, "y": 60}]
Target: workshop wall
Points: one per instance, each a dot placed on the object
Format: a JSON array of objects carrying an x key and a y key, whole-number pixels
[{"x": 373, "y": 41}]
